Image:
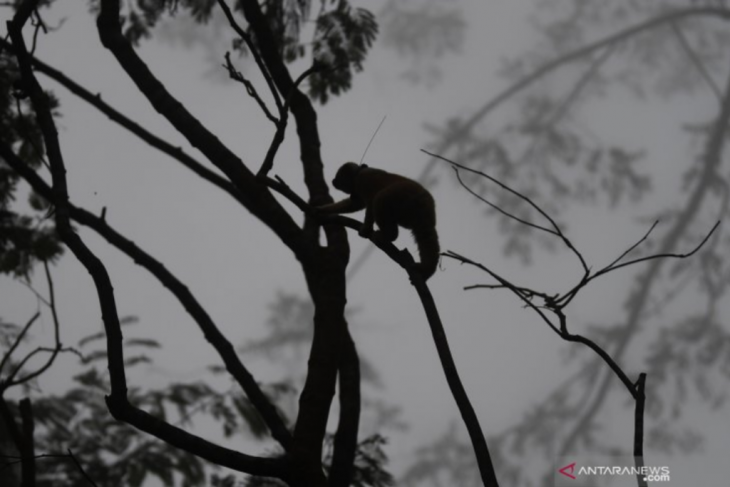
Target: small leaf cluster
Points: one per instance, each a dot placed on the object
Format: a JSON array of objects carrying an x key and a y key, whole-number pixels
[{"x": 342, "y": 39}]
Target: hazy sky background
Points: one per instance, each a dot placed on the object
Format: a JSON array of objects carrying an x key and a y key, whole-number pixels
[{"x": 235, "y": 266}]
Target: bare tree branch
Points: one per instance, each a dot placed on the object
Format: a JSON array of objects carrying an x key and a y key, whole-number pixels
[
  {"x": 57, "y": 337},
  {"x": 236, "y": 75},
  {"x": 471, "y": 421},
  {"x": 81, "y": 469},
  {"x": 27, "y": 446},
  {"x": 345, "y": 441},
  {"x": 712, "y": 157},
  {"x": 117, "y": 401},
  {"x": 499, "y": 209},
  {"x": 639, "y": 428},
  {"x": 256, "y": 197},
  {"x": 556, "y": 229},
  {"x": 18, "y": 339},
  {"x": 506, "y": 284},
  {"x": 405, "y": 260},
  {"x": 133, "y": 127},
  {"x": 256, "y": 55},
  {"x": 281, "y": 124},
  {"x": 224, "y": 348}
]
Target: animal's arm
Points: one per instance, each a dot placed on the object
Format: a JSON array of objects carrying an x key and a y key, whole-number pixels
[
  {"x": 348, "y": 205},
  {"x": 367, "y": 224}
]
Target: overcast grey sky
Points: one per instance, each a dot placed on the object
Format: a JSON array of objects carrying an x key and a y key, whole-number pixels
[{"x": 508, "y": 359}]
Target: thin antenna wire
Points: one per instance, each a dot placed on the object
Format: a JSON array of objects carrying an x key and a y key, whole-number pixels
[{"x": 372, "y": 138}]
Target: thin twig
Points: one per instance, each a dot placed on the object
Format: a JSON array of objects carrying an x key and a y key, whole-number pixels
[
  {"x": 281, "y": 124},
  {"x": 145, "y": 135},
  {"x": 557, "y": 231},
  {"x": 659, "y": 256},
  {"x": 563, "y": 330},
  {"x": 499, "y": 209},
  {"x": 175, "y": 286},
  {"x": 280, "y": 186},
  {"x": 35, "y": 292},
  {"x": 504, "y": 282},
  {"x": 254, "y": 51},
  {"x": 462, "y": 130},
  {"x": 81, "y": 469},
  {"x": 568, "y": 296},
  {"x": 250, "y": 88},
  {"x": 18, "y": 339},
  {"x": 527, "y": 292},
  {"x": 639, "y": 242},
  {"x": 54, "y": 351},
  {"x": 57, "y": 338},
  {"x": 711, "y": 160}
]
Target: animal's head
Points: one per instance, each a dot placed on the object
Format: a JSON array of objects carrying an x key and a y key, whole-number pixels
[{"x": 345, "y": 177}]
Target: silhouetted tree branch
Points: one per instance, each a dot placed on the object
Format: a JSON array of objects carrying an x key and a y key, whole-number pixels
[{"x": 557, "y": 303}]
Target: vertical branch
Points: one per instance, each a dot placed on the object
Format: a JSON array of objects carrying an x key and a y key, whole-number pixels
[
  {"x": 258, "y": 199},
  {"x": 324, "y": 269},
  {"x": 639, "y": 427},
  {"x": 27, "y": 446},
  {"x": 10, "y": 424},
  {"x": 300, "y": 105},
  {"x": 47, "y": 126},
  {"x": 345, "y": 443}
]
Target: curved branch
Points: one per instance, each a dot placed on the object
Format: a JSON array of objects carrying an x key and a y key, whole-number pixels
[
  {"x": 300, "y": 105},
  {"x": 18, "y": 339},
  {"x": 117, "y": 401},
  {"x": 479, "y": 443},
  {"x": 255, "y": 53},
  {"x": 556, "y": 231},
  {"x": 57, "y": 348},
  {"x": 132, "y": 126},
  {"x": 256, "y": 197},
  {"x": 224, "y": 347},
  {"x": 345, "y": 441}
]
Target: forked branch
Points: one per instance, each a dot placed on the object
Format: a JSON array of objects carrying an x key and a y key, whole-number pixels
[
  {"x": 117, "y": 401},
  {"x": 555, "y": 304},
  {"x": 405, "y": 260}
]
